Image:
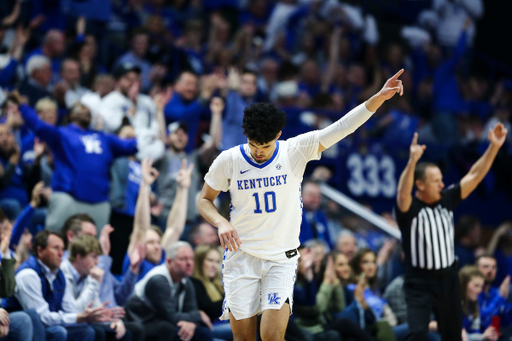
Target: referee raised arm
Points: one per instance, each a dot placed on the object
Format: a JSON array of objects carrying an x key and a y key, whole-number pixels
[{"x": 426, "y": 222}]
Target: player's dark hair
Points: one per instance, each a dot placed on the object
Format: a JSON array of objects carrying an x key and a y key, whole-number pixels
[{"x": 262, "y": 122}]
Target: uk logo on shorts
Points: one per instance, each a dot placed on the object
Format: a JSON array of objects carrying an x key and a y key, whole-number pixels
[{"x": 273, "y": 298}]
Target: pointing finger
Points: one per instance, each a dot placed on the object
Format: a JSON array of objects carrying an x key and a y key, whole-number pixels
[
  {"x": 415, "y": 139},
  {"x": 395, "y": 77}
]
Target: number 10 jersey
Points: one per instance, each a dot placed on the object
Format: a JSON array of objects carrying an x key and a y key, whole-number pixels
[{"x": 266, "y": 202}]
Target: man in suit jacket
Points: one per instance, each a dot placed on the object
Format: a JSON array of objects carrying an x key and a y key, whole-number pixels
[{"x": 164, "y": 301}]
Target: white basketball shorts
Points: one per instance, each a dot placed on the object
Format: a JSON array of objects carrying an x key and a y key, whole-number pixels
[{"x": 252, "y": 284}]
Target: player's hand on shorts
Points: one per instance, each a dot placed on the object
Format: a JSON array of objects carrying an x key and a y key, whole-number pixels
[
  {"x": 186, "y": 331},
  {"x": 228, "y": 237}
]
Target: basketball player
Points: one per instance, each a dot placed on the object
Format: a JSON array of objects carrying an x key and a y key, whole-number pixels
[{"x": 264, "y": 180}]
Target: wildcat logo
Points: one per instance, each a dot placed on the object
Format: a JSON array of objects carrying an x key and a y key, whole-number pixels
[
  {"x": 92, "y": 144},
  {"x": 273, "y": 298}
]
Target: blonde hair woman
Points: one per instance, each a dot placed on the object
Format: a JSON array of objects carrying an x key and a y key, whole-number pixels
[{"x": 207, "y": 280}]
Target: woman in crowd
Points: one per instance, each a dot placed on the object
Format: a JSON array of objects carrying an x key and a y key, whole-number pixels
[
  {"x": 364, "y": 287},
  {"x": 471, "y": 285},
  {"x": 357, "y": 309},
  {"x": 364, "y": 284},
  {"x": 321, "y": 310},
  {"x": 209, "y": 290}
]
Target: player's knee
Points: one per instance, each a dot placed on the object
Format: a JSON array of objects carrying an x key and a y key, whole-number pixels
[
  {"x": 244, "y": 337},
  {"x": 272, "y": 335}
]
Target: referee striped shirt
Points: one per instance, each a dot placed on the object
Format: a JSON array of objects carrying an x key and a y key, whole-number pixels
[{"x": 428, "y": 231}]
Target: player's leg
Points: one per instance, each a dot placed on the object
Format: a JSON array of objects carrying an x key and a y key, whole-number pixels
[
  {"x": 244, "y": 329},
  {"x": 274, "y": 322},
  {"x": 276, "y": 298},
  {"x": 241, "y": 278}
]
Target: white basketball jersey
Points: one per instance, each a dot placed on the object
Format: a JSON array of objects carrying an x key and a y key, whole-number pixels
[{"x": 266, "y": 202}]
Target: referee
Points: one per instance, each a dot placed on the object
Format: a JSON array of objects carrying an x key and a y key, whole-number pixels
[{"x": 426, "y": 222}]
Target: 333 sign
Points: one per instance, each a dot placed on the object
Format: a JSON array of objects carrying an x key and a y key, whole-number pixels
[{"x": 371, "y": 175}]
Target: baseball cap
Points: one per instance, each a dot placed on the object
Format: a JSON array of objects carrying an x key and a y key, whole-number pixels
[
  {"x": 124, "y": 68},
  {"x": 174, "y": 126}
]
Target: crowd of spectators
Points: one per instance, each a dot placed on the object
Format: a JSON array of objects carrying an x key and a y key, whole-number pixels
[{"x": 112, "y": 112}]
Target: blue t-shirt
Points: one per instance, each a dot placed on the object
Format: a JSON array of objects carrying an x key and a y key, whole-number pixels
[
  {"x": 132, "y": 189},
  {"x": 145, "y": 266},
  {"x": 374, "y": 301}
]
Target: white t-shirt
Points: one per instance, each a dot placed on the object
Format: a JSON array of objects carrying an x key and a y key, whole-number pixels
[
  {"x": 266, "y": 202},
  {"x": 115, "y": 106}
]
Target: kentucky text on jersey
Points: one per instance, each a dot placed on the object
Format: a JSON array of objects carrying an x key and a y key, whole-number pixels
[{"x": 271, "y": 181}]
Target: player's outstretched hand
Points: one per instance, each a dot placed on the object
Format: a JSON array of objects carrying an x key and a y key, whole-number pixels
[
  {"x": 228, "y": 237},
  {"x": 393, "y": 86}
]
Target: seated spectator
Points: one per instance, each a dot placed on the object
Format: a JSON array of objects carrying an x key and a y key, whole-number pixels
[
  {"x": 471, "y": 284},
  {"x": 13, "y": 194},
  {"x": 314, "y": 220},
  {"x": 313, "y": 306},
  {"x": 136, "y": 56},
  {"x": 39, "y": 75},
  {"x": 20, "y": 325},
  {"x": 185, "y": 105},
  {"x": 347, "y": 244},
  {"x": 492, "y": 300},
  {"x": 207, "y": 280},
  {"x": 201, "y": 158},
  {"x": 364, "y": 268},
  {"x": 164, "y": 301},
  {"x": 203, "y": 234},
  {"x": 151, "y": 237},
  {"x": 83, "y": 281},
  {"x": 41, "y": 285},
  {"x": 70, "y": 75},
  {"x": 356, "y": 309},
  {"x": 467, "y": 238},
  {"x": 318, "y": 250},
  {"x": 82, "y": 158},
  {"x": 113, "y": 291},
  {"x": 127, "y": 103}
]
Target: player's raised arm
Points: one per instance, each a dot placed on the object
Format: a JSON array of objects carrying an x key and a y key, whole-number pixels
[
  {"x": 227, "y": 234},
  {"x": 360, "y": 114}
]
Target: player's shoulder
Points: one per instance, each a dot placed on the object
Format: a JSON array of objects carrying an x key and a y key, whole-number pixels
[
  {"x": 303, "y": 139},
  {"x": 227, "y": 156}
]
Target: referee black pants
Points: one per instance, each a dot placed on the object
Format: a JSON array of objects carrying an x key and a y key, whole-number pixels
[{"x": 436, "y": 291}]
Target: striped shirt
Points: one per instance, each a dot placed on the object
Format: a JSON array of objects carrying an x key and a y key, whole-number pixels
[{"x": 428, "y": 231}]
